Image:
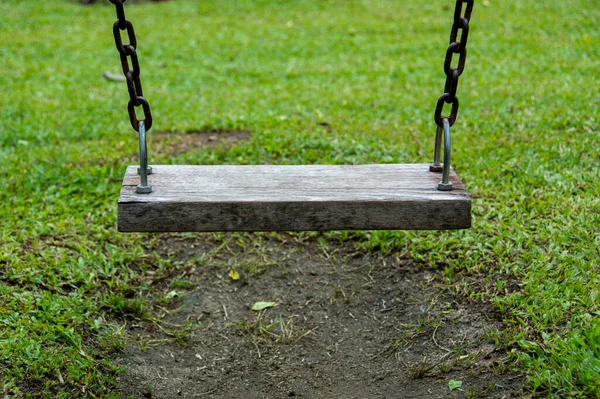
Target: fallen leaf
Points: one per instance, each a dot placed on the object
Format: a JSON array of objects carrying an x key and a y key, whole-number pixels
[
  {"x": 453, "y": 384},
  {"x": 234, "y": 275},
  {"x": 258, "y": 306}
]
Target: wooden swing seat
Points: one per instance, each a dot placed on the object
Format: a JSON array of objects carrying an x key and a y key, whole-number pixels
[{"x": 292, "y": 198}]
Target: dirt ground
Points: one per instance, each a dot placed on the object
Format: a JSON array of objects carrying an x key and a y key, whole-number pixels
[{"x": 346, "y": 325}]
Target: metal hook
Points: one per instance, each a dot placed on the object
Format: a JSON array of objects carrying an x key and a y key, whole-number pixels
[
  {"x": 445, "y": 184},
  {"x": 143, "y": 187}
]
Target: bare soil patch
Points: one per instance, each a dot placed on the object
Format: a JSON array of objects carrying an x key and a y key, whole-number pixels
[
  {"x": 347, "y": 325},
  {"x": 173, "y": 144},
  {"x": 176, "y": 143}
]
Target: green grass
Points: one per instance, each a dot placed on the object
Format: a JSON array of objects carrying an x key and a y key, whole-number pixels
[{"x": 526, "y": 144}]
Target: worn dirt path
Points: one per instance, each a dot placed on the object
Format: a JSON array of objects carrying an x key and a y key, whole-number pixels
[{"x": 347, "y": 325}]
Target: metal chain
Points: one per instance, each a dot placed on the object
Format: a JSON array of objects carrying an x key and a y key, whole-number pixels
[
  {"x": 461, "y": 24},
  {"x": 132, "y": 72}
]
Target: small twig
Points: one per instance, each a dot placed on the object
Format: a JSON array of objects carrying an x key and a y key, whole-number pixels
[
  {"x": 306, "y": 333},
  {"x": 60, "y": 378},
  {"x": 235, "y": 350},
  {"x": 222, "y": 336},
  {"x": 207, "y": 392},
  {"x": 157, "y": 342},
  {"x": 435, "y": 342},
  {"x": 114, "y": 78},
  {"x": 256, "y": 346},
  {"x": 160, "y": 376},
  {"x": 225, "y": 311},
  {"x": 387, "y": 349},
  {"x": 433, "y": 300},
  {"x": 165, "y": 331}
]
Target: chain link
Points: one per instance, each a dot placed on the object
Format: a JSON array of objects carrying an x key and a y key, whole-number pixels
[
  {"x": 460, "y": 25},
  {"x": 134, "y": 85},
  {"x": 131, "y": 71}
]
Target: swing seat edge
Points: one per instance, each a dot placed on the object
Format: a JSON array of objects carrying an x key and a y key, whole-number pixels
[{"x": 201, "y": 198}]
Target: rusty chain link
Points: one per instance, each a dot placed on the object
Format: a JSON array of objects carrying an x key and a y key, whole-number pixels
[
  {"x": 460, "y": 24},
  {"x": 132, "y": 72}
]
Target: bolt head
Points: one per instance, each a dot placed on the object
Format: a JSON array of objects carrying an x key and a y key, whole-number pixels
[
  {"x": 445, "y": 186},
  {"x": 143, "y": 189},
  {"x": 436, "y": 168}
]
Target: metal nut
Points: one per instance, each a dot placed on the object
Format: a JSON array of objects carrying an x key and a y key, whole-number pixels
[
  {"x": 436, "y": 168},
  {"x": 143, "y": 189},
  {"x": 445, "y": 186}
]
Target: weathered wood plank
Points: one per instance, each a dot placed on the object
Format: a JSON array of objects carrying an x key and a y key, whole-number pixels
[{"x": 286, "y": 198}]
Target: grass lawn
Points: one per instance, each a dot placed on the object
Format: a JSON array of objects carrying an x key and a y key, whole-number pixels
[{"x": 526, "y": 144}]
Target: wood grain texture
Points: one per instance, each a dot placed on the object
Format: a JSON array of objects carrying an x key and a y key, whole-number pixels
[{"x": 288, "y": 198}]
